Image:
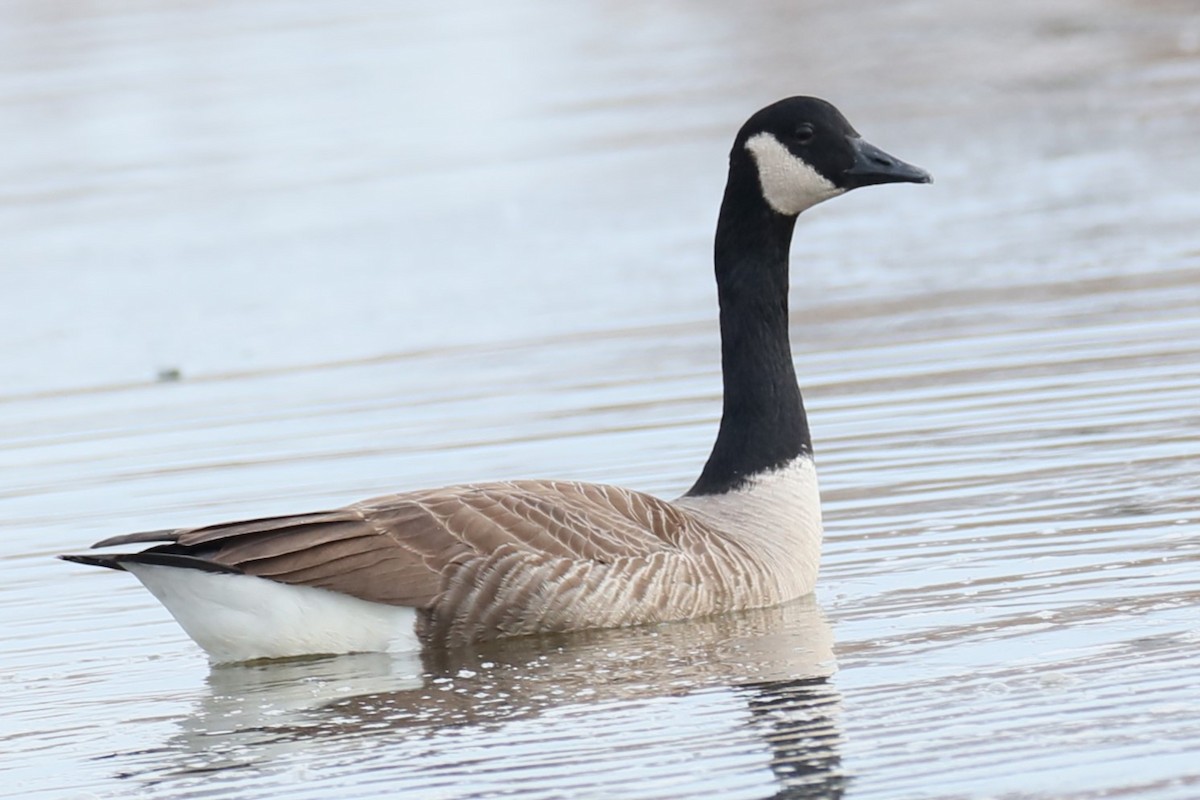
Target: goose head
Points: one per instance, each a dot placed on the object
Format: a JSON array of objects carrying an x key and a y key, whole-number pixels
[{"x": 804, "y": 151}]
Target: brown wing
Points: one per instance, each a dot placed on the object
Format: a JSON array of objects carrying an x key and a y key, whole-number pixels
[{"x": 401, "y": 549}]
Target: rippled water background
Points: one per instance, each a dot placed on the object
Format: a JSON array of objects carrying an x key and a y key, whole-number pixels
[{"x": 392, "y": 245}]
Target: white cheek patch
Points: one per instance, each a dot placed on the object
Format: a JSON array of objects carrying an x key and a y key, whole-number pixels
[{"x": 788, "y": 184}]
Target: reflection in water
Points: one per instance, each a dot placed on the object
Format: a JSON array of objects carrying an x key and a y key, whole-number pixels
[
  {"x": 754, "y": 689},
  {"x": 258, "y": 712},
  {"x": 800, "y": 717}
]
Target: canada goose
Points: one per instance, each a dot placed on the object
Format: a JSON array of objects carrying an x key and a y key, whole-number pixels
[{"x": 455, "y": 565}]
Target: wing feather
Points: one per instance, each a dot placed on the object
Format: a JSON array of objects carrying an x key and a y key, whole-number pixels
[{"x": 407, "y": 549}]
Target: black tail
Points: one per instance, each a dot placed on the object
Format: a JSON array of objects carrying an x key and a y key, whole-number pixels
[
  {"x": 162, "y": 559},
  {"x": 109, "y": 561}
]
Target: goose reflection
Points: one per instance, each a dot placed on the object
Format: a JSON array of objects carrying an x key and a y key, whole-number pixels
[{"x": 737, "y": 702}]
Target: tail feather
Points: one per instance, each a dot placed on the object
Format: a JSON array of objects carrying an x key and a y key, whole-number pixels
[
  {"x": 153, "y": 556},
  {"x": 108, "y": 561},
  {"x": 165, "y": 535}
]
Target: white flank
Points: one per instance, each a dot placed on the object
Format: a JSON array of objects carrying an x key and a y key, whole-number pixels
[
  {"x": 789, "y": 185},
  {"x": 778, "y": 515},
  {"x": 242, "y": 618}
]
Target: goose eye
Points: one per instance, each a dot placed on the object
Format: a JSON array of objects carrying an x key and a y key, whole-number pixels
[{"x": 805, "y": 134}]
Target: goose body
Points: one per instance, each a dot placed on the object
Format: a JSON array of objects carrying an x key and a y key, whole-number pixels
[{"x": 462, "y": 564}]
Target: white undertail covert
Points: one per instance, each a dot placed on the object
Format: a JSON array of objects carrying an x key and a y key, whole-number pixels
[{"x": 244, "y": 618}]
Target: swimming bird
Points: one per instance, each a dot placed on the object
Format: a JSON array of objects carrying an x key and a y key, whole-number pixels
[{"x": 452, "y": 566}]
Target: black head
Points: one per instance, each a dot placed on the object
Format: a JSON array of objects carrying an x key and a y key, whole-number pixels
[{"x": 805, "y": 151}]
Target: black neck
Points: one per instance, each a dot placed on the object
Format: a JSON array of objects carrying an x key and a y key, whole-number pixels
[{"x": 763, "y": 424}]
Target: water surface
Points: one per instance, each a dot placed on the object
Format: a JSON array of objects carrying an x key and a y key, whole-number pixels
[{"x": 393, "y": 246}]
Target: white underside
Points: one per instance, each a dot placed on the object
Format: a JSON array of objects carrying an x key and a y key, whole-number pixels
[{"x": 242, "y": 618}]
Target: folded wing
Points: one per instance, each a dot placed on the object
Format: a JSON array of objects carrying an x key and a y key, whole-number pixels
[{"x": 407, "y": 549}]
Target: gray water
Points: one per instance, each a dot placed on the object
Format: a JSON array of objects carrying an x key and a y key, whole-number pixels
[{"x": 392, "y": 245}]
